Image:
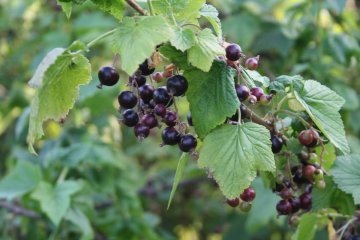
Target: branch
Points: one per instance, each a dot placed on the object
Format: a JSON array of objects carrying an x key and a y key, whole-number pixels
[
  {"x": 257, "y": 119},
  {"x": 136, "y": 6},
  {"x": 19, "y": 210}
]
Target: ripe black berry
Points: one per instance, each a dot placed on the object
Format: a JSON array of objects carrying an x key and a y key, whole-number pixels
[
  {"x": 285, "y": 193},
  {"x": 252, "y": 63},
  {"x": 233, "y": 202},
  {"x": 137, "y": 80},
  {"x": 189, "y": 119},
  {"x": 160, "y": 110},
  {"x": 170, "y": 136},
  {"x": 276, "y": 143},
  {"x": 146, "y": 92},
  {"x": 108, "y": 76},
  {"x": 305, "y": 201},
  {"x": 161, "y": 96},
  {"x": 295, "y": 204},
  {"x": 149, "y": 120},
  {"x": 187, "y": 143},
  {"x": 309, "y": 137},
  {"x": 284, "y": 207},
  {"x": 242, "y": 92},
  {"x": 177, "y": 85},
  {"x": 141, "y": 131},
  {"x": 233, "y": 52},
  {"x": 127, "y": 99},
  {"x": 144, "y": 68},
  {"x": 170, "y": 118},
  {"x": 248, "y": 194},
  {"x": 257, "y": 92},
  {"x": 130, "y": 118}
]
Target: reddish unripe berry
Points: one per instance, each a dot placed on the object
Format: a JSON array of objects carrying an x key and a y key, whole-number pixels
[
  {"x": 233, "y": 202},
  {"x": 252, "y": 63},
  {"x": 285, "y": 193},
  {"x": 284, "y": 207},
  {"x": 242, "y": 92},
  {"x": 309, "y": 137},
  {"x": 158, "y": 76},
  {"x": 308, "y": 172},
  {"x": 257, "y": 92},
  {"x": 248, "y": 194}
]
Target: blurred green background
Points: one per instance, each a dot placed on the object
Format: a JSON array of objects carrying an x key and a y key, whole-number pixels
[{"x": 124, "y": 185}]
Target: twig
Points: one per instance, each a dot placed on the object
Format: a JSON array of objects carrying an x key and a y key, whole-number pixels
[
  {"x": 136, "y": 6},
  {"x": 19, "y": 210},
  {"x": 257, "y": 119}
]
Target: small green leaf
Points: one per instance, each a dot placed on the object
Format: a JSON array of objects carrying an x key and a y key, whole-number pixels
[
  {"x": 114, "y": 7},
  {"x": 183, "y": 39},
  {"x": 77, "y": 217},
  {"x": 256, "y": 77},
  {"x": 323, "y": 105},
  {"x": 280, "y": 83},
  {"x": 346, "y": 174},
  {"x": 21, "y": 180},
  {"x": 175, "y": 56},
  {"x": 206, "y": 49},
  {"x": 55, "y": 201},
  {"x": 307, "y": 227},
  {"x": 212, "y": 15},
  {"x": 212, "y": 96},
  {"x": 66, "y": 7},
  {"x": 135, "y": 41},
  {"x": 234, "y": 153},
  {"x": 178, "y": 174}
]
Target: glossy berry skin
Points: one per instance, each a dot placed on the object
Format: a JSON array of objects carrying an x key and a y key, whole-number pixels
[
  {"x": 233, "y": 202},
  {"x": 309, "y": 137},
  {"x": 308, "y": 172},
  {"x": 252, "y": 63},
  {"x": 276, "y": 143},
  {"x": 127, "y": 99},
  {"x": 242, "y": 92},
  {"x": 141, "y": 131},
  {"x": 177, "y": 85},
  {"x": 295, "y": 204},
  {"x": 187, "y": 143},
  {"x": 170, "y": 136},
  {"x": 146, "y": 93},
  {"x": 233, "y": 52},
  {"x": 257, "y": 92},
  {"x": 189, "y": 119},
  {"x": 144, "y": 68},
  {"x": 160, "y": 110},
  {"x": 161, "y": 96},
  {"x": 305, "y": 201},
  {"x": 137, "y": 80},
  {"x": 170, "y": 118},
  {"x": 248, "y": 195},
  {"x": 285, "y": 193},
  {"x": 108, "y": 76},
  {"x": 130, "y": 118},
  {"x": 149, "y": 120},
  {"x": 284, "y": 207}
]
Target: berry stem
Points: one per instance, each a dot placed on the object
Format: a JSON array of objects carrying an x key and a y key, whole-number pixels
[
  {"x": 136, "y": 6},
  {"x": 151, "y": 10},
  {"x": 281, "y": 102},
  {"x": 306, "y": 124},
  {"x": 257, "y": 119},
  {"x": 62, "y": 175},
  {"x": 93, "y": 42}
]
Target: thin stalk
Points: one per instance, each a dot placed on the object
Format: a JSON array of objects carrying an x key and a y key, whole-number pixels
[
  {"x": 151, "y": 9},
  {"x": 93, "y": 42},
  {"x": 306, "y": 124}
]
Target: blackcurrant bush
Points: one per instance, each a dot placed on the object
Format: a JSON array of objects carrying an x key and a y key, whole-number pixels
[
  {"x": 308, "y": 172},
  {"x": 141, "y": 131},
  {"x": 295, "y": 204},
  {"x": 187, "y": 143},
  {"x": 189, "y": 119},
  {"x": 257, "y": 92},
  {"x": 242, "y": 92},
  {"x": 284, "y": 207},
  {"x": 233, "y": 52},
  {"x": 170, "y": 118},
  {"x": 149, "y": 120},
  {"x": 161, "y": 96},
  {"x": 276, "y": 143},
  {"x": 252, "y": 63},
  {"x": 146, "y": 92},
  {"x": 177, "y": 85},
  {"x": 285, "y": 193},
  {"x": 309, "y": 137},
  {"x": 170, "y": 136},
  {"x": 160, "y": 110},
  {"x": 137, "y": 80},
  {"x": 144, "y": 68},
  {"x": 127, "y": 99},
  {"x": 305, "y": 201},
  {"x": 108, "y": 76},
  {"x": 130, "y": 118},
  {"x": 248, "y": 195},
  {"x": 233, "y": 202}
]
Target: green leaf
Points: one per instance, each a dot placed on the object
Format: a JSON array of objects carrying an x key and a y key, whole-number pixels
[
  {"x": 206, "y": 49},
  {"x": 255, "y": 76},
  {"x": 212, "y": 96},
  {"x": 135, "y": 41},
  {"x": 114, "y": 7},
  {"x": 282, "y": 82},
  {"x": 233, "y": 154},
  {"x": 21, "y": 180},
  {"x": 178, "y": 174},
  {"x": 58, "y": 89},
  {"x": 55, "y": 201},
  {"x": 175, "y": 56},
  {"x": 183, "y": 39},
  {"x": 332, "y": 197},
  {"x": 307, "y": 227},
  {"x": 66, "y": 7},
  {"x": 323, "y": 105},
  {"x": 77, "y": 217},
  {"x": 212, "y": 15},
  {"x": 346, "y": 174}
]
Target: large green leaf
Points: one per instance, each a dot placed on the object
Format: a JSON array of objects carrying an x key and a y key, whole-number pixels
[
  {"x": 135, "y": 40},
  {"x": 346, "y": 174},
  {"x": 21, "y": 180},
  {"x": 114, "y": 7},
  {"x": 212, "y": 15},
  {"x": 58, "y": 88},
  {"x": 323, "y": 105},
  {"x": 175, "y": 56},
  {"x": 206, "y": 49},
  {"x": 183, "y": 39},
  {"x": 306, "y": 229},
  {"x": 212, "y": 96},
  {"x": 77, "y": 217},
  {"x": 234, "y": 153},
  {"x": 55, "y": 201}
]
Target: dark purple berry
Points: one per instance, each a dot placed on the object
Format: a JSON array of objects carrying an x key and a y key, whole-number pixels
[
  {"x": 252, "y": 63},
  {"x": 233, "y": 52},
  {"x": 130, "y": 118},
  {"x": 177, "y": 85},
  {"x": 285, "y": 193},
  {"x": 160, "y": 110},
  {"x": 187, "y": 143},
  {"x": 170, "y": 136},
  {"x": 127, "y": 99},
  {"x": 305, "y": 201},
  {"x": 276, "y": 143},
  {"x": 141, "y": 131},
  {"x": 257, "y": 92},
  {"x": 137, "y": 80},
  {"x": 146, "y": 92},
  {"x": 295, "y": 204},
  {"x": 170, "y": 118},
  {"x": 189, "y": 119},
  {"x": 284, "y": 207},
  {"x": 108, "y": 76},
  {"x": 233, "y": 202},
  {"x": 248, "y": 195},
  {"x": 144, "y": 68},
  {"x": 242, "y": 92},
  {"x": 161, "y": 96},
  {"x": 149, "y": 120}
]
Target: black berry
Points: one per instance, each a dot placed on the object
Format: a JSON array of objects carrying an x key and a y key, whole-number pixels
[
  {"x": 233, "y": 52},
  {"x": 170, "y": 118},
  {"x": 285, "y": 193},
  {"x": 149, "y": 120},
  {"x": 161, "y": 96},
  {"x": 189, "y": 119},
  {"x": 276, "y": 143},
  {"x": 130, "y": 118},
  {"x": 108, "y": 76},
  {"x": 141, "y": 131},
  {"x": 284, "y": 207},
  {"x": 187, "y": 143},
  {"x": 137, "y": 80},
  {"x": 305, "y": 201},
  {"x": 170, "y": 136},
  {"x": 257, "y": 92},
  {"x": 252, "y": 63},
  {"x": 160, "y": 110},
  {"x": 233, "y": 202},
  {"x": 295, "y": 204},
  {"x": 177, "y": 85},
  {"x": 248, "y": 195},
  {"x": 144, "y": 68},
  {"x": 127, "y": 99},
  {"x": 242, "y": 92},
  {"x": 146, "y": 92}
]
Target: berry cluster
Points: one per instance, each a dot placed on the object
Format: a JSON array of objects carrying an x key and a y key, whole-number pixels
[
  {"x": 244, "y": 200},
  {"x": 144, "y": 106}
]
